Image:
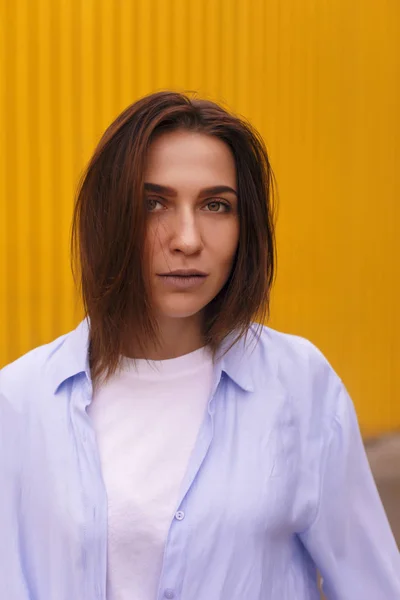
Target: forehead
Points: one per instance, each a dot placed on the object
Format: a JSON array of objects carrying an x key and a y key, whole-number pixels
[{"x": 180, "y": 156}]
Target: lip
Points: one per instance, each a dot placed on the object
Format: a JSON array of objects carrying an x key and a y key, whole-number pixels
[
  {"x": 183, "y": 273},
  {"x": 183, "y": 279}
]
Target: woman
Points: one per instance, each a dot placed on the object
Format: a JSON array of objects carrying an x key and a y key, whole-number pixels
[{"x": 169, "y": 447}]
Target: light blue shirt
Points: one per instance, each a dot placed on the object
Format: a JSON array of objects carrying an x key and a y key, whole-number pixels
[{"x": 277, "y": 486}]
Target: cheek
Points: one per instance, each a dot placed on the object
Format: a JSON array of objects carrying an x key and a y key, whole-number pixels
[
  {"x": 153, "y": 241},
  {"x": 224, "y": 245}
]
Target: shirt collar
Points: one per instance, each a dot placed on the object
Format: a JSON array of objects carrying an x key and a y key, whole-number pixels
[
  {"x": 236, "y": 362},
  {"x": 72, "y": 357}
]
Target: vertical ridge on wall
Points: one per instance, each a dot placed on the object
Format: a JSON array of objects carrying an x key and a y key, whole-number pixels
[
  {"x": 229, "y": 44},
  {"x": 178, "y": 41},
  {"x": 163, "y": 63},
  {"x": 68, "y": 119},
  {"x": 3, "y": 239},
  {"x": 243, "y": 64},
  {"x": 321, "y": 82},
  {"x": 46, "y": 164},
  {"x": 144, "y": 57},
  {"x": 106, "y": 49},
  {"x": 197, "y": 23},
  {"x": 23, "y": 210},
  {"x": 125, "y": 59}
]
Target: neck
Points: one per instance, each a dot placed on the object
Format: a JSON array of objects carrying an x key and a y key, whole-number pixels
[{"x": 176, "y": 338}]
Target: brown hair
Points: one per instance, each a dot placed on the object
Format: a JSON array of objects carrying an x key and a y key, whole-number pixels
[{"x": 109, "y": 226}]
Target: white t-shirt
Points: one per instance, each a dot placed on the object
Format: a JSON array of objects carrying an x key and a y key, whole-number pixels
[{"x": 146, "y": 419}]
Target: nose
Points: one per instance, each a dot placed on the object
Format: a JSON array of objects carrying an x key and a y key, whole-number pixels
[{"x": 185, "y": 235}]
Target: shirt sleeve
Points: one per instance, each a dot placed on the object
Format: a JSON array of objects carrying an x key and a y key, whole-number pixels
[
  {"x": 350, "y": 539},
  {"x": 12, "y": 580}
]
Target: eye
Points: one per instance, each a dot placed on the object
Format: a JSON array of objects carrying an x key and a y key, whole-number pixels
[
  {"x": 153, "y": 204},
  {"x": 217, "y": 206}
]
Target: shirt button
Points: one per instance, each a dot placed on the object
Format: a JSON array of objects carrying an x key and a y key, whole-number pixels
[
  {"x": 168, "y": 593},
  {"x": 180, "y": 515}
]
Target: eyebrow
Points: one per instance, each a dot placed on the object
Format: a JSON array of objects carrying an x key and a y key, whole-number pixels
[{"x": 164, "y": 189}]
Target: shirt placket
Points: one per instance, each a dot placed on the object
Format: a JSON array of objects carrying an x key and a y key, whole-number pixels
[
  {"x": 93, "y": 494},
  {"x": 170, "y": 585}
]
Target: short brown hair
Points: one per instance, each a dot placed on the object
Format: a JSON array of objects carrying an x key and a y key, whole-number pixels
[{"x": 109, "y": 226}]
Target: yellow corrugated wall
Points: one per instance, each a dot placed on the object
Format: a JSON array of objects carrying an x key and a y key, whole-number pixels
[{"x": 319, "y": 79}]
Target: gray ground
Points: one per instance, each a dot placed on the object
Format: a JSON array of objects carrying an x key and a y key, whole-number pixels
[{"x": 384, "y": 458}]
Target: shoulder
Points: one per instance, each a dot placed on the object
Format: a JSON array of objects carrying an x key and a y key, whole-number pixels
[
  {"x": 299, "y": 367},
  {"x": 28, "y": 371},
  {"x": 287, "y": 351}
]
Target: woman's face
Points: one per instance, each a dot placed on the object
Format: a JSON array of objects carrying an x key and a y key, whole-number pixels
[{"x": 193, "y": 221}]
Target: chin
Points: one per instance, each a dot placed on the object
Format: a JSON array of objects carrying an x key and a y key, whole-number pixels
[
  {"x": 179, "y": 314},
  {"x": 180, "y": 310}
]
